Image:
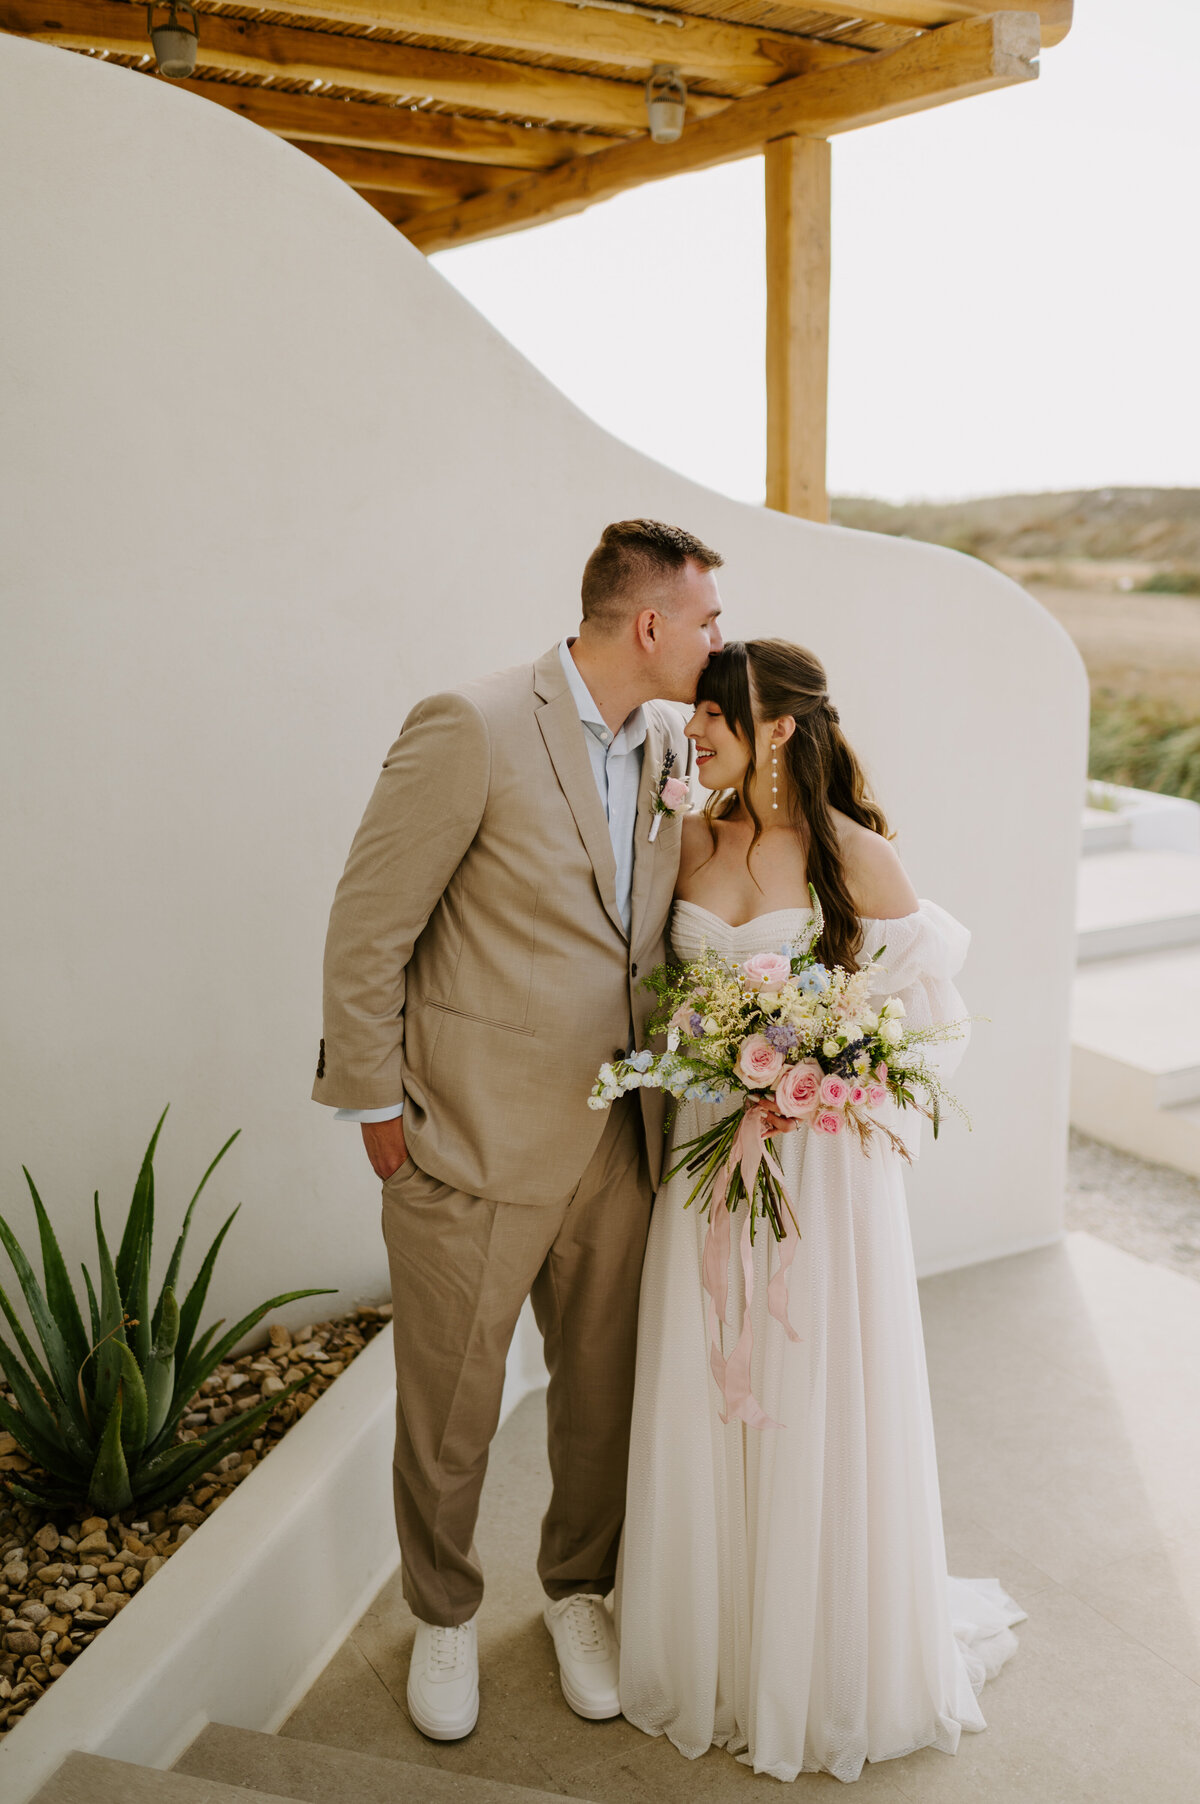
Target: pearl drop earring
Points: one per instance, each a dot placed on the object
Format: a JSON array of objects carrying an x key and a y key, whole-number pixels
[{"x": 774, "y": 778}]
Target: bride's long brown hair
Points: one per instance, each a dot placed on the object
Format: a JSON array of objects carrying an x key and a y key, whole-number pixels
[{"x": 766, "y": 679}]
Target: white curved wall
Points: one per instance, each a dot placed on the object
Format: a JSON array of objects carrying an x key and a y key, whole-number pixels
[{"x": 268, "y": 478}]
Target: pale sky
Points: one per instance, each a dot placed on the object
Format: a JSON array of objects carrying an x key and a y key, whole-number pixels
[{"x": 1015, "y": 288}]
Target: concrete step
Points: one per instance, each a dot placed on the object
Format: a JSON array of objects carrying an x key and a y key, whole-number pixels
[
  {"x": 1136, "y": 901},
  {"x": 1135, "y": 1055},
  {"x": 1104, "y": 830},
  {"x": 1115, "y": 1103},
  {"x": 1143, "y": 1013},
  {"x": 277, "y": 1766},
  {"x": 91, "y": 1779}
]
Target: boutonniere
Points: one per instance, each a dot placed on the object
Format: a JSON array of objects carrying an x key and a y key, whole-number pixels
[{"x": 670, "y": 794}]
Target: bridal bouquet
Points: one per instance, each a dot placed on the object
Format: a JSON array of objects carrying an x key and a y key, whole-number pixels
[{"x": 778, "y": 1032}]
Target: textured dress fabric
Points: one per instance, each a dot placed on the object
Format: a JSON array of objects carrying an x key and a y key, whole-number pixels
[{"x": 783, "y": 1592}]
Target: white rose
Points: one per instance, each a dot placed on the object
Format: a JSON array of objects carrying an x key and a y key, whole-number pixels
[
  {"x": 868, "y": 1021},
  {"x": 831, "y": 1049},
  {"x": 891, "y": 1032},
  {"x": 711, "y": 1026}
]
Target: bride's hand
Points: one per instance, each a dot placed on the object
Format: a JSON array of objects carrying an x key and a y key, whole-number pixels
[{"x": 777, "y": 1123}]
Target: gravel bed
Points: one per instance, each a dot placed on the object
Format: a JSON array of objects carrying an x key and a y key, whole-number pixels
[
  {"x": 1148, "y": 1210},
  {"x": 61, "y": 1582}
]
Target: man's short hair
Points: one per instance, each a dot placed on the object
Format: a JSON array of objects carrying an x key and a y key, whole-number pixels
[{"x": 631, "y": 555}]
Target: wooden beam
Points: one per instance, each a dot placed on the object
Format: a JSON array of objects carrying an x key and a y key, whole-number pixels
[
  {"x": 970, "y": 58},
  {"x": 1055, "y": 15},
  {"x": 798, "y": 221},
  {"x": 739, "y": 54},
  {"x": 398, "y": 174},
  {"x": 402, "y": 70},
  {"x": 398, "y": 209},
  {"x": 367, "y": 125}
]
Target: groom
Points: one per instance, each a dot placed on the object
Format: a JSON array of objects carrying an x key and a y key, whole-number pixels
[{"x": 500, "y": 898}]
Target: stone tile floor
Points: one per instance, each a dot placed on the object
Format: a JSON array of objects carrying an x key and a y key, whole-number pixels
[
  {"x": 1066, "y": 1389},
  {"x": 1149, "y": 1210}
]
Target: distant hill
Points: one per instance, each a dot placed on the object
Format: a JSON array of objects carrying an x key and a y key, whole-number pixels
[{"x": 1153, "y": 526}]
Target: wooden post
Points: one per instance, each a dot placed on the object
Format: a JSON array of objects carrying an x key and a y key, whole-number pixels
[{"x": 797, "y": 172}]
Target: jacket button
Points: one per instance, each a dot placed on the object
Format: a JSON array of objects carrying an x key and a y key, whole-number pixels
[{"x": 633, "y": 970}]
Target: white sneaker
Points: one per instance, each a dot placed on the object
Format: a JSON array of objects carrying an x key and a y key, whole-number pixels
[
  {"x": 443, "y": 1681},
  {"x": 586, "y": 1644}
]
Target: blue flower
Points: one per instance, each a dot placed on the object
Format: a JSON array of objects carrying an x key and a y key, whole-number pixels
[
  {"x": 642, "y": 1061},
  {"x": 814, "y": 981}
]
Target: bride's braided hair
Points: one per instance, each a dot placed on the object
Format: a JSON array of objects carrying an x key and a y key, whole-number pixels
[{"x": 768, "y": 679}]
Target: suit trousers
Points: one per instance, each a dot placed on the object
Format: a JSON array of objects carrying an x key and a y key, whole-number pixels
[{"x": 461, "y": 1268}]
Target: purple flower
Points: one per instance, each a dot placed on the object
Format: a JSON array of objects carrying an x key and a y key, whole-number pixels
[
  {"x": 696, "y": 1025},
  {"x": 781, "y": 1036}
]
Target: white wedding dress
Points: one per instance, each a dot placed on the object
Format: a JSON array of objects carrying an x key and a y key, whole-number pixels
[{"x": 783, "y": 1591}]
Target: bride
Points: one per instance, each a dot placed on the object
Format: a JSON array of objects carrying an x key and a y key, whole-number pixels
[{"x": 783, "y": 1591}]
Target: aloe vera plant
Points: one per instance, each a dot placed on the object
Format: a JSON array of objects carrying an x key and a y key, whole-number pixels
[{"x": 99, "y": 1408}]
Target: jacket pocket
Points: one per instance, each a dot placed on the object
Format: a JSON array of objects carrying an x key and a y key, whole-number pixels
[{"x": 463, "y": 1014}]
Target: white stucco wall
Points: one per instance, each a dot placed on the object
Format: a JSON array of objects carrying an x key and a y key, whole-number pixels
[{"x": 267, "y": 479}]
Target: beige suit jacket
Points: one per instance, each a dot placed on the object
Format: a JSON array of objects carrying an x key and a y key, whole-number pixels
[{"x": 476, "y": 961}]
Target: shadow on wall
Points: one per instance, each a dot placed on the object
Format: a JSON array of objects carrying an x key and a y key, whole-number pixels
[{"x": 271, "y": 479}]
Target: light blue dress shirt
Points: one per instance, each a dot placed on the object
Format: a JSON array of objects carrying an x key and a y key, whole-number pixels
[{"x": 616, "y": 760}]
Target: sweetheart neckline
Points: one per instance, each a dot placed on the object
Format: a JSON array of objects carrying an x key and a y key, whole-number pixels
[{"x": 736, "y": 927}]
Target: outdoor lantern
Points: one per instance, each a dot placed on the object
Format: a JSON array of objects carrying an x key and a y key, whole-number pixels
[
  {"x": 174, "y": 45},
  {"x": 666, "y": 98}
]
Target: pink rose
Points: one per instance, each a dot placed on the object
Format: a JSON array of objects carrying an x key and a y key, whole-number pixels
[
  {"x": 881, "y": 1073},
  {"x": 767, "y": 971},
  {"x": 674, "y": 793},
  {"x": 876, "y": 1096},
  {"x": 797, "y": 1090},
  {"x": 758, "y": 1062},
  {"x": 827, "y": 1121},
  {"x": 858, "y": 1096},
  {"x": 834, "y": 1090}
]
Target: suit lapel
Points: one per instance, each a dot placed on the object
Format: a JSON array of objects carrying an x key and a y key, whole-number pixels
[
  {"x": 645, "y": 849},
  {"x": 562, "y": 731}
]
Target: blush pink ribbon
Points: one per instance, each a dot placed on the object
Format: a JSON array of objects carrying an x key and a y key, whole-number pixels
[{"x": 732, "y": 1374}]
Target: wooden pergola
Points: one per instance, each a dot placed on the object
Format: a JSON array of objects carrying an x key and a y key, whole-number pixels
[{"x": 463, "y": 119}]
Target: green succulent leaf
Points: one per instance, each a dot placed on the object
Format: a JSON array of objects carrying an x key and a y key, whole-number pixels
[
  {"x": 60, "y": 1292},
  {"x": 41, "y": 1497},
  {"x": 139, "y": 1223},
  {"x": 171, "y": 1281},
  {"x": 139, "y": 1328},
  {"x": 134, "y": 1405},
  {"x": 193, "y": 1303},
  {"x": 195, "y": 1373},
  {"x": 160, "y": 1373},
  {"x": 177, "y": 1467},
  {"x": 109, "y": 1489},
  {"x": 112, "y": 1325},
  {"x": 41, "y": 1376},
  {"x": 61, "y": 1384},
  {"x": 36, "y": 1437},
  {"x": 93, "y": 1306}
]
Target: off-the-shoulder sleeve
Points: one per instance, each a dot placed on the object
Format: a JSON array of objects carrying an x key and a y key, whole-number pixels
[{"x": 920, "y": 955}]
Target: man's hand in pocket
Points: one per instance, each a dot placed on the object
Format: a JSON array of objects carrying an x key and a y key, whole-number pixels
[{"x": 384, "y": 1141}]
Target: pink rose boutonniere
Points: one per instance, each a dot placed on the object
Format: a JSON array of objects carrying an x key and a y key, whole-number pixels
[{"x": 670, "y": 795}]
